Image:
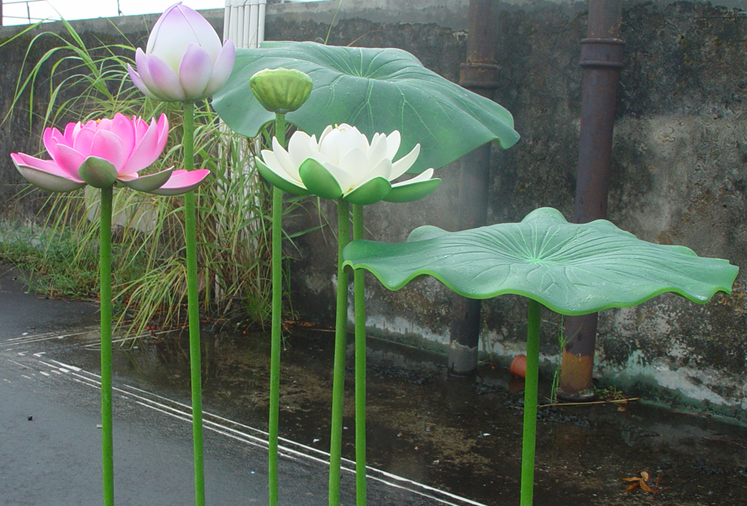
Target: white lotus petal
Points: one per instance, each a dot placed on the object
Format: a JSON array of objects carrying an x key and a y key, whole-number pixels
[
  {"x": 400, "y": 166},
  {"x": 326, "y": 132},
  {"x": 378, "y": 150},
  {"x": 302, "y": 147},
  {"x": 330, "y": 145},
  {"x": 355, "y": 163},
  {"x": 284, "y": 161},
  {"x": 381, "y": 169},
  {"x": 344, "y": 179},
  {"x": 393, "y": 141},
  {"x": 423, "y": 176},
  {"x": 352, "y": 138},
  {"x": 271, "y": 161}
]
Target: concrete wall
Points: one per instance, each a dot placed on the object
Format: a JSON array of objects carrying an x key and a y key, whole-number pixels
[
  {"x": 678, "y": 178},
  {"x": 678, "y": 173}
]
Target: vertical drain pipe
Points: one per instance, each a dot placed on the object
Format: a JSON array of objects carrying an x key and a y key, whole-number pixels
[
  {"x": 479, "y": 75},
  {"x": 601, "y": 61}
]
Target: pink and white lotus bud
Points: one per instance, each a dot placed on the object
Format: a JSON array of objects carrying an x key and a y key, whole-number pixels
[{"x": 184, "y": 59}]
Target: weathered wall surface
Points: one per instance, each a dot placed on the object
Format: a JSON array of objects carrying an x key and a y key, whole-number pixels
[
  {"x": 678, "y": 172},
  {"x": 678, "y": 178}
]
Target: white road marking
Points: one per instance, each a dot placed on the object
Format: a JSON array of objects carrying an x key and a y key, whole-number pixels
[{"x": 248, "y": 435}]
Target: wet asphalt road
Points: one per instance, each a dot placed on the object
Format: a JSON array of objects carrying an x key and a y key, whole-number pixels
[
  {"x": 50, "y": 440},
  {"x": 453, "y": 438}
]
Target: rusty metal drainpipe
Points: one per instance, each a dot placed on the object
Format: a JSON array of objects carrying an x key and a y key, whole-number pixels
[
  {"x": 479, "y": 74},
  {"x": 601, "y": 60}
]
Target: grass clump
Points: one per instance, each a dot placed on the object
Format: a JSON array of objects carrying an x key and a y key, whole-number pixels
[{"x": 59, "y": 250}]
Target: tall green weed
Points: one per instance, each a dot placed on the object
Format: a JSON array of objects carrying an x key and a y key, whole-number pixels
[{"x": 149, "y": 277}]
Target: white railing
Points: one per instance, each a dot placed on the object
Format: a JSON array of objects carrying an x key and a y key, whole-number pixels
[{"x": 244, "y": 22}]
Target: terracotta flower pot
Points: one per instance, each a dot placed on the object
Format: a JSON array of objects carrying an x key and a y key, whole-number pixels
[{"x": 519, "y": 366}]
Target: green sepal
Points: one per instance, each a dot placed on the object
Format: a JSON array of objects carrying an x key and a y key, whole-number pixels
[
  {"x": 319, "y": 180},
  {"x": 47, "y": 181},
  {"x": 149, "y": 182},
  {"x": 98, "y": 172},
  {"x": 412, "y": 192},
  {"x": 370, "y": 192},
  {"x": 277, "y": 181}
]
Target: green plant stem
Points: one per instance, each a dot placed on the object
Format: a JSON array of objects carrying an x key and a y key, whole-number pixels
[
  {"x": 105, "y": 284},
  {"x": 530, "y": 403},
  {"x": 193, "y": 309},
  {"x": 338, "y": 379},
  {"x": 359, "y": 290},
  {"x": 277, "y": 299}
]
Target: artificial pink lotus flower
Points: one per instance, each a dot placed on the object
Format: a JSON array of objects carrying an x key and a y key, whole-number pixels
[
  {"x": 184, "y": 59},
  {"x": 104, "y": 152}
]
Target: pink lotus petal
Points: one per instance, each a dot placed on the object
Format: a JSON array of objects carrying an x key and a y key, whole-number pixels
[
  {"x": 82, "y": 141},
  {"x": 51, "y": 138},
  {"x": 101, "y": 124},
  {"x": 71, "y": 129},
  {"x": 138, "y": 82},
  {"x": 141, "y": 61},
  {"x": 47, "y": 181},
  {"x": 163, "y": 132},
  {"x": 108, "y": 146},
  {"x": 222, "y": 68},
  {"x": 178, "y": 27},
  {"x": 44, "y": 173},
  {"x": 21, "y": 159},
  {"x": 195, "y": 70},
  {"x": 68, "y": 159},
  {"x": 202, "y": 31},
  {"x": 165, "y": 81},
  {"x": 143, "y": 65},
  {"x": 124, "y": 128},
  {"x": 182, "y": 181},
  {"x": 140, "y": 127},
  {"x": 145, "y": 152},
  {"x": 166, "y": 44}
]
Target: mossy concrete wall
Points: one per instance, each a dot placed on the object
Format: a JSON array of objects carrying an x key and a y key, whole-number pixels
[
  {"x": 678, "y": 172},
  {"x": 678, "y": 178}
]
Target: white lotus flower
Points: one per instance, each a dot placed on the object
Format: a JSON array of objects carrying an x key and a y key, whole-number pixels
[{"x": 342, "y": 164}]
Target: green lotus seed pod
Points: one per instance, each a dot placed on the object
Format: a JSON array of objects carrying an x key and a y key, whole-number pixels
[{"x": 281, "y": 90}]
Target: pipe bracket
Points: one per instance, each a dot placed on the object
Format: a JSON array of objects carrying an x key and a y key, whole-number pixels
[
  {"x": 479, "y": 75},
  {"x": 602, "y": 53}
]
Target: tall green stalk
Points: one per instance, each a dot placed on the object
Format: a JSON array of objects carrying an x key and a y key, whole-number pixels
[
  {"x": 193, "y": 309},
  {"x": 359, "y": 290},
  {"x": 277, "y": 298},
  {"x": 530, "y": 403},
  {"x": 338, "y": 379},
  {"x": 105, "y": 283}
]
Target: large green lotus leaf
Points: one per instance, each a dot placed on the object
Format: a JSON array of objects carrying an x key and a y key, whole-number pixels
[
  {"x": 570, "y": 268},
  {"x": 376, "y": 90}
]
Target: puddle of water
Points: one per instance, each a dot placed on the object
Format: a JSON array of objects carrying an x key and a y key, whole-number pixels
[{"x": 461, "y": 435}]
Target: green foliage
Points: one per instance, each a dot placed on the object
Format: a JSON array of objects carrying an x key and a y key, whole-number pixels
[
  {"x": 44, "y": 258},
  {"x": 376, "y": 90},
  {"x": 572, "y": 269},
  {"x": 149, "y": 277}
]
